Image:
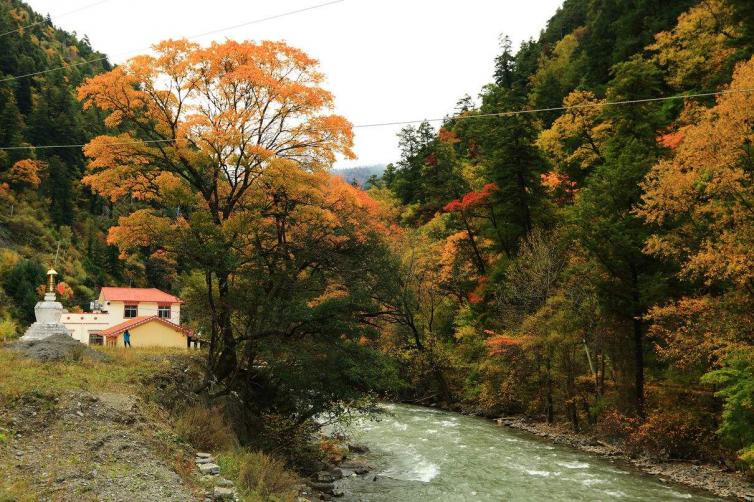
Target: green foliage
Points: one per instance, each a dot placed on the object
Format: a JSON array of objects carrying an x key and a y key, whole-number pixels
[
  {"x": 736, "y": 383},
  {"x": 43, "y": 110},
  {"x": 21, "y": 285},
  {"x": 8, "y": 330},
  {"x": 259, "y": 476}
]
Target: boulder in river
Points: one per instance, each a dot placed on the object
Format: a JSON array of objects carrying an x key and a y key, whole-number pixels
[
  {"x": 324, "y": 477},
  {"x": 358, "y": 448}
]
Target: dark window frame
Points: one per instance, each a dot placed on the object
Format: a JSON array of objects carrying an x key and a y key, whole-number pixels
[
  {"x": 130, "y": 311},
  {"x": 161, "y": 309}
]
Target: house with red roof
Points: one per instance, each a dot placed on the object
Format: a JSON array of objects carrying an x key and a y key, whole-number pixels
[{"x": 152, "y": 317}]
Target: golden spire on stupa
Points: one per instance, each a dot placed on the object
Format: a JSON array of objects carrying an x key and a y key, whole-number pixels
[{"x": 51, "y": 274}]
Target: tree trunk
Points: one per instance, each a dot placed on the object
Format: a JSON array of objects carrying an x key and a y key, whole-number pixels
[
  {"x": 227, "y": 360},
  {"x": 638, "y": 336},
  {"x": 550, "y": 407},
  {"x": 480, "y": 265}
]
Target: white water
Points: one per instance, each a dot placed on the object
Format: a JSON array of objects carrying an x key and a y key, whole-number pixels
[{"x": 422, "y": 454}]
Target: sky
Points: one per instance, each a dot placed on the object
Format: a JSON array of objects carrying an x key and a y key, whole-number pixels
[{"x": 385, "y": 60}]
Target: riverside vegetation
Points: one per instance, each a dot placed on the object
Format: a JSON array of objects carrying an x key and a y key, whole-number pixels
[{"x": 590, "y": 264}]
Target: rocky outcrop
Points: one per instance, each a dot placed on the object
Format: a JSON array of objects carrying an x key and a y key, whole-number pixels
[{"x": 346, "y": 462}]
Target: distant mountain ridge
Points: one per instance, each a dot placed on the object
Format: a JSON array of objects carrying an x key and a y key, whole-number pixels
[{"x": 360, "y": 174}]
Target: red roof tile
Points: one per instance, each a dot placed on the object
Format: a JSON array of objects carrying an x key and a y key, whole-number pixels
[
  {"x": 137, "y": 295},
  {"x": 116, "y": 330}
]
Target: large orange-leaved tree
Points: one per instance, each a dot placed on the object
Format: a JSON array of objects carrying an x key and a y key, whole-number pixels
[{"x": 207, "y": 143}]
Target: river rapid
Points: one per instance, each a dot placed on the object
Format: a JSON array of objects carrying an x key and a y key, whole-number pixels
[{"x": 423, "y": 454}]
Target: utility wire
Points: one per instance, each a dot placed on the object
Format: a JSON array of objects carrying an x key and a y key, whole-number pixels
[
  {"x": 459, "y": 117},
  {"x": 51, "y": 147},
  {"x": 198, "y": 35},
  {"x": 88, "y": 6},
  {"x": 559, "y": 108}
]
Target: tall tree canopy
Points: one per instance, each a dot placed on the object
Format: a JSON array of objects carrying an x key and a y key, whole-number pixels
[{"x": 199, "y": 136}]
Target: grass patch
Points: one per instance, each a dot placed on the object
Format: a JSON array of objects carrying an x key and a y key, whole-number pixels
[
  {"x": 19, "y": 376},
  {"x": 259, "y": 476},
  {"x": 205, "y": 428}
]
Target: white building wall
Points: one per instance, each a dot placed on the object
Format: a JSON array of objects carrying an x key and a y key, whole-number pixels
[
  {"x": 81, "y": 325},
  {"x": 116, "y": 309}
]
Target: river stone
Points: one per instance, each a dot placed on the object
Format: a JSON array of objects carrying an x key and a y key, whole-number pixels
[
  {"x": 211, "y": 469},
  {"x": 358, "y": 448},
  {"x": 224, "y": 482},
  {"x": 321, "y": 486},
  {"x": 223, "y": 493},
  {"x": 202, "y": 460},
  {"x": 337, "y": 473},
  {"x": 201, "y": 454},
  {"x": 356, "y": 467},
  {"x": 324, "y": 477}
]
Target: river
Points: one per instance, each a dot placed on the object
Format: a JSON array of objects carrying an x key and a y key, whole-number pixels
[{"x": 423, "y": 454}]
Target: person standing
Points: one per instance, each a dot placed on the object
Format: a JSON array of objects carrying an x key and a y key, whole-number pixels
[{"x": 127, "y": 339}]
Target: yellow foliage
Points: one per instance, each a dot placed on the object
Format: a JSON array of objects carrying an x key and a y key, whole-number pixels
[
  {"x": 697, "y": 49},
  {"x": 581, "y": 124},
  {"x": 705, "y": 191}
]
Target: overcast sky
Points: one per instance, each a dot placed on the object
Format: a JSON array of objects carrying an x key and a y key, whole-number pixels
[{"x": 386, "y": 60}]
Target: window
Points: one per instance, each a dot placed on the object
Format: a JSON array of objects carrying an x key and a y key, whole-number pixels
[
  {"x": 95, "y": 339},
  {"x": 130, "y": 311},
  {"x": 163, "y": 311}
]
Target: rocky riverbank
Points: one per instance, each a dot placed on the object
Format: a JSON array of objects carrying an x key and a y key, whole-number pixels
[
  {"x": 723, "y": 483},
  {"x": 344, "y": 460}
]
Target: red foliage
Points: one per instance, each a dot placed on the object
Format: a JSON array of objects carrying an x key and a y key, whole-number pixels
[
  {"x": 560, "y": 186},
  {"x": 447, "y": 136},
  {"x": 477, "y": 296},
  {"x": 671, "y": 140},
  {"x": 501, "y": 344},
  {"x": 471, "y": 199}
]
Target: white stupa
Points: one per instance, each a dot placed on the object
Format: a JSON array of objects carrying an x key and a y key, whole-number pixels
[{"x": 47, "y": 313}]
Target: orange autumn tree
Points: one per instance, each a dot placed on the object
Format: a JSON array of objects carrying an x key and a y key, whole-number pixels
[
  {"x": 196, "y": 135},
  {"x": 26, "y": 173},
  {"x": 702, "y": 199}
]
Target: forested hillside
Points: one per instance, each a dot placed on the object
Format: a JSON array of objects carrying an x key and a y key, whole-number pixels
[
  {"x": 576, "y": 247},
  {"x": 44, "y": 210},
  {"x": 591, "y": 263}
]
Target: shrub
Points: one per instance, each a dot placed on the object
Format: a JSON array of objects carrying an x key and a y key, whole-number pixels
[
  {"x": 677, "y": 434},
  {"x": 205, "y": 428},
  {"x": 615, "y": 425},
  {"x": 265, "y": 475},
  {"x": 289, "y": 440},
  {"x": 8, "y": 330},
  {"x": 736, "y": 382},
  {"x": 259, "y": 476}
]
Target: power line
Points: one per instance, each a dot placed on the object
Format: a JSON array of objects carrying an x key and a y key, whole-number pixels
[
  {"x": 52, "y": 147},
  {"x": 559, "y": 108},
  {"x": 198, "y": 35},
  {"x": 88, "y": 6},
  {"x": 459, "y": 117}
]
